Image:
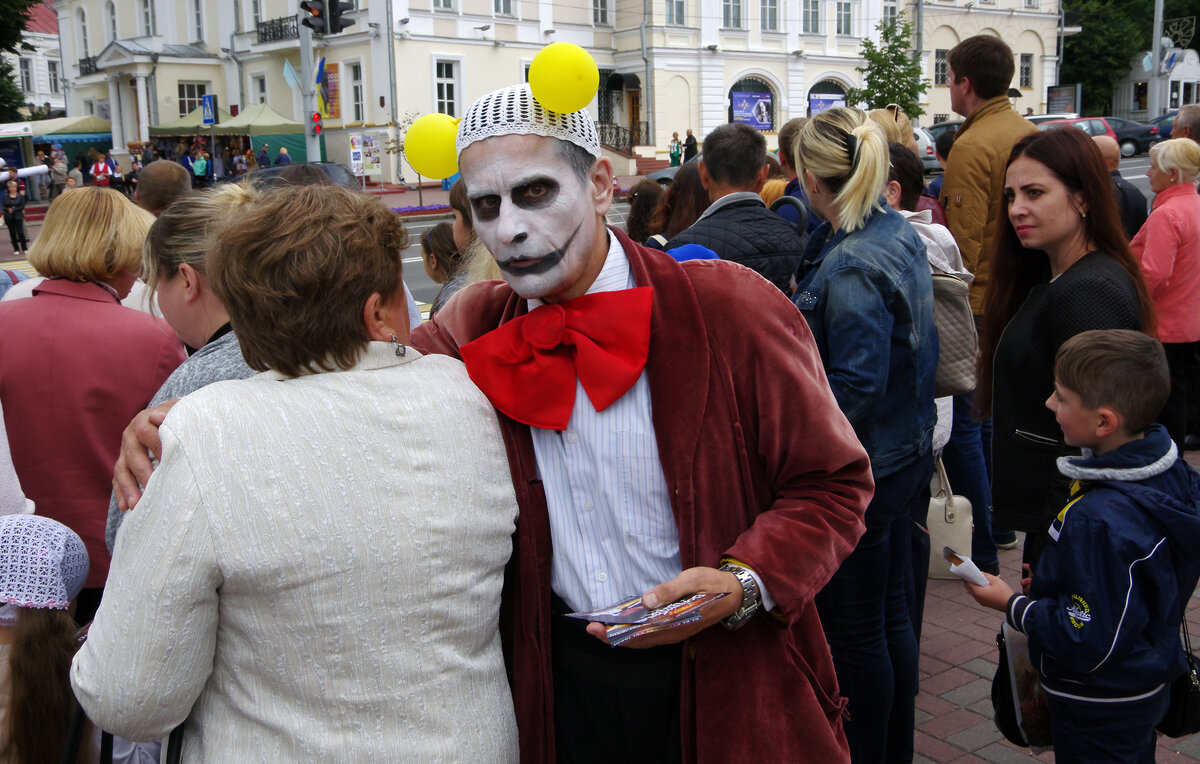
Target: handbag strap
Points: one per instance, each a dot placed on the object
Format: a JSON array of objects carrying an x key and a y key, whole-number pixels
[{"x": 947, "y": 493}]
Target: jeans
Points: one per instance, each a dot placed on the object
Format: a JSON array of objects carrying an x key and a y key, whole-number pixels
[
  {"x": 866, "y": 618},
  {"x": 967, "y": 467},
  {"x": 1092, "y": 733}
]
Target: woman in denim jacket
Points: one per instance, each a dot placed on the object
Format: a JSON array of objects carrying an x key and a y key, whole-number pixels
[{"x": 866, "y": 291}]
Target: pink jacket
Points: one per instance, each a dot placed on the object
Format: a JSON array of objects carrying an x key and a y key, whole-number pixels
[
  {"x": 1168, "y": 246},
  {"x": 75, "y": 366}
]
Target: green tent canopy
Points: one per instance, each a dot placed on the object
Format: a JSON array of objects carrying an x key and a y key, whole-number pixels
[
  {"x": 192, "y": 124},
  {"x": 265, "y": 125},
  {"x": 89, "y": 129}
]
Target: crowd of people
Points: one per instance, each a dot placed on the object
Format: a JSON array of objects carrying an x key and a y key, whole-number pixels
[{"x": 306, "y": 525}]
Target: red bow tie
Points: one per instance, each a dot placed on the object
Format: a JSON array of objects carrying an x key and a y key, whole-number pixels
[{"x": 527, "y": 368}]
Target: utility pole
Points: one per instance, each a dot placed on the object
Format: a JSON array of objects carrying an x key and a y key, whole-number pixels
[
  {"x": 308, "y": 93},
  {"x": 1156, "y": 54}
]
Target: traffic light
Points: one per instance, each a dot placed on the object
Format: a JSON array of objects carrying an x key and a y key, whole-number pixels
[
  {"x": 334, "y": 22},
  {"x": 314, "y": 124},
  {"x": 314, "y": 14}
]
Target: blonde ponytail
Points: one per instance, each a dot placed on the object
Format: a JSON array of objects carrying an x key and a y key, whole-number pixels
[{"x": 849, "y": 153}]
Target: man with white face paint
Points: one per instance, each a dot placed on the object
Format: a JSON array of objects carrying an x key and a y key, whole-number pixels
[{"x": 670, "y": 431}]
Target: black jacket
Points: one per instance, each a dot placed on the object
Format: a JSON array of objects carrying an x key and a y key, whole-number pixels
[
  {"x": 1094, "y": 293},
  {"x": 1131, "y": 202},
  {"x": 14, "y": 207},
  {"x": 746, "y": 232}
]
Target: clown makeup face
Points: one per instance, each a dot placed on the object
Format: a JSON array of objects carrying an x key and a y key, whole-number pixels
[{"x": 542, "y": 224}]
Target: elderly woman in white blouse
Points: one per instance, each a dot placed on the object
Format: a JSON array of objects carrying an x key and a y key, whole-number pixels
[{"x": 314, "y": 571}]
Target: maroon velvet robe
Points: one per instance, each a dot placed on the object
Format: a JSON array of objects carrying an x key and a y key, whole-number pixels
[{"x": 762, "y": 467}]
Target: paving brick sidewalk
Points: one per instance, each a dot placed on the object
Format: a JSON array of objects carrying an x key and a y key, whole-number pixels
[{"x": 958, "y": 659}]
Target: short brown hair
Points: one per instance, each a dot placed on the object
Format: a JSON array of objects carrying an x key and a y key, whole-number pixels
[
  {"x": 90, "y": 234},
  {"x": 461, "y": 202},
  {"x": 787, "y": 140},
  {"x": 162, "y": 182},
  {"x": 1119, "y": 368},
  {"x": 986, "y": 61},
  {"x": 295, "y": 298}
]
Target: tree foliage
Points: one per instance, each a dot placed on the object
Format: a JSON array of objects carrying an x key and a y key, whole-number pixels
[
  {"x": 12, "y": 24},
  {"x": 11, "y": 97},
  {"x": 1099, "y": 55},
  {"x": 891, "y": 73}
]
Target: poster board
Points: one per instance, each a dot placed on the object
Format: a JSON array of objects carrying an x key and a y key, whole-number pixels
[{"x": 364, "y": 155}]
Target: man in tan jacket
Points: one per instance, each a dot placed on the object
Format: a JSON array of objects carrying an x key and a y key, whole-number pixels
[{"x": 981, "y": 69}]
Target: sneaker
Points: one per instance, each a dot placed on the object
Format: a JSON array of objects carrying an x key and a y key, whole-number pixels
[{"x": 1006, "y": 542}]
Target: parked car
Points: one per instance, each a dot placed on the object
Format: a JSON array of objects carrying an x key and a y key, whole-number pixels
[
  {"x": 937, "y": 128},
  {"x": 1037, "y": 119},
  {"x": 664, "y": 176},
  {"x": 339, "y": 173},
  {"x": 1165, "y": 125},
  {"x": 1132, "y": 137},
  {"x": 925, "y": 149}
]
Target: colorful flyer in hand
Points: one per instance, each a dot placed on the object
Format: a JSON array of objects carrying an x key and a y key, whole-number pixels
[{"x": 633, "y": 613}]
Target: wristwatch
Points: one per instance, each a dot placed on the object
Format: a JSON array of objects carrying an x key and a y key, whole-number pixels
[{"x": 751, "y": 598}]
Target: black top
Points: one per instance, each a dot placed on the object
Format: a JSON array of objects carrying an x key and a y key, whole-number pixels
[
  {"x": 689, "y": 147},
  {"x": 1094, "y": 293},
  {"x": 14, "y": 206},
  {"x": 1130, "y": 202},
  {"x": 747, "y": 232}
]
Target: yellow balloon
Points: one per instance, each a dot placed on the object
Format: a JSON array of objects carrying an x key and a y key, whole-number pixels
[
  {"x": 563, "y": 77},
  {"x": 429, "y": 145}
]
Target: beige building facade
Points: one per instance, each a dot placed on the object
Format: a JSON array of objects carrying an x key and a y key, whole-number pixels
[{"x": 665, "y": 65}]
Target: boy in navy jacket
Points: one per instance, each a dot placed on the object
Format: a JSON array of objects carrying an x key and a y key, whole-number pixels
[{"x": 1104, "y": 609}]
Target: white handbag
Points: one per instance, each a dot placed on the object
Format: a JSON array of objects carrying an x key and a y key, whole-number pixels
[{"x": 949, "y": 522}]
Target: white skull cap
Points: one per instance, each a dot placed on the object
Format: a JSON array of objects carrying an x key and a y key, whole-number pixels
[
  {"x": 43, "y": 564},
  {"x": 514, "y": 111}
]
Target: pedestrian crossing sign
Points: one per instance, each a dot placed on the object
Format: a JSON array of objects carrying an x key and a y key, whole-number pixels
[{"x": 209, "y": 104}]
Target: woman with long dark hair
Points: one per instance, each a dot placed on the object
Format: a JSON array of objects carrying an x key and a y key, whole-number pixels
[
  {"x": 683, "y": 204},
  {"x": 44, "y": 564},
  {"x": 1061, "y": 264},
  {"x": 643, "y": 199}
]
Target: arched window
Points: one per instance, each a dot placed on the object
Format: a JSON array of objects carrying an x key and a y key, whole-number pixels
[
  {"x": 81, "y": 17},
  {"x": 110, "y": 15},
  {"x": 751, "y": 101}
]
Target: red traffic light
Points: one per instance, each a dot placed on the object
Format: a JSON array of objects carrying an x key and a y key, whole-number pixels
[{"x": 316, "y": 123}]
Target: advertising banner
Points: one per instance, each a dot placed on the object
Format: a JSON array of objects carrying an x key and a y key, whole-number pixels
[
  {"x": 753, "y": 109},
  {"x": 820, "y": 102}
]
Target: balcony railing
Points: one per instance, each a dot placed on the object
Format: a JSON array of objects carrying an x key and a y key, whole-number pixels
[
  {"x": 87, "y": 66},
  {"x": 623, "y": 138},
  {"x": 274, "y": 30}
]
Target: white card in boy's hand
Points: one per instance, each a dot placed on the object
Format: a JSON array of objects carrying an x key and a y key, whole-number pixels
[{"x": 963, "y": 567}]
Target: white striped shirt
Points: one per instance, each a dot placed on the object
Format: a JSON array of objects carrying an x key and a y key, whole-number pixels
[{"x": 610, "y": 511}]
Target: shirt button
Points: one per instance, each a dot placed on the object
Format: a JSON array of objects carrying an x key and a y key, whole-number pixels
[
  {"x": 572, "y": 438},
  {"x": 602, "y": 576},
  {"x": 588, "y": 506}
]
